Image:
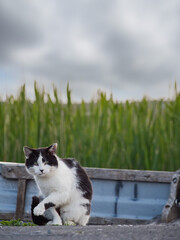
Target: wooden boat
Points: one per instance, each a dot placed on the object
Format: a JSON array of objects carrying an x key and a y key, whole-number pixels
[{"x": 119, "y": 196}]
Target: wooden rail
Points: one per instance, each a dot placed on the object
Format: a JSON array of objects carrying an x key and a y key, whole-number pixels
[{"x": 14, "y": 171}]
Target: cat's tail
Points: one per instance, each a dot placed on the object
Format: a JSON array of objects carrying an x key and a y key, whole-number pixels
[{"x": 39, "y": 220}]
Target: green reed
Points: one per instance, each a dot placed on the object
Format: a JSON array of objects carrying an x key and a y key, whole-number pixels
[{"x": 102, "y": 133}]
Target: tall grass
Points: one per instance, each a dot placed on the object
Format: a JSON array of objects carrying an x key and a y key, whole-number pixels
[{"x": 102, "y": 133}]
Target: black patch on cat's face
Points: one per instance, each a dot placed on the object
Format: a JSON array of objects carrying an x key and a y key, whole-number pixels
[
  {"x": 47, "y": 157},
  {"x": 84, "y": 183},
  {"x": 32, "y": 158}
]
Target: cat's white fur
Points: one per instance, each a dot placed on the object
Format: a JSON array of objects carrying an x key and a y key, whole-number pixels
[{"x": 59, "y": 186}]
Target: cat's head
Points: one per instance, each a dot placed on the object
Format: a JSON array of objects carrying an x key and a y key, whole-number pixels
[{"x": 41, "y": 161}]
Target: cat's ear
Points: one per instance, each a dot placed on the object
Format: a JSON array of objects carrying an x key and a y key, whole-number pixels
[
  {"x": 52, "y": 149},
  {"x": 27, "y": 151}
]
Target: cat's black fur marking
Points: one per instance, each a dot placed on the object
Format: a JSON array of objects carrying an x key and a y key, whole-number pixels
[
  {"x": 48, "y": 205},
  {"x": 39, "y": 220},
  {"x": 88, "y": 206},
  {"x": 58, "y": 211},
  {"x": 47, "y": 156},
  {"x": 32, "y": 159},
  {"x": 84, "y": 182},
  {"x": 70, "y": 162}
]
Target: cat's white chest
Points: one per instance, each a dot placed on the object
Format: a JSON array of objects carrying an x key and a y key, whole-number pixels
[
  {"x": 61, "y": 181},
  {"x": 47, "y": 185}
]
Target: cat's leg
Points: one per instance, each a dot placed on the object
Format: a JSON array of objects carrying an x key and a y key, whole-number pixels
[
  {"x": 67, "y": 220},
  {"x": 53, "y": 200},
  {"x": 42, "y": 207},
  {"x": 39, "y": 220},
  {"x": 56, "y": 218},
  {"x": 83, "y": 220},
  {"x": 76, "y": 213},
  {"x": 84, "y": 209},
  {"x": 67, "y": 216}
]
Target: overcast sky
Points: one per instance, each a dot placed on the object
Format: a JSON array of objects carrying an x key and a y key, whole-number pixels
[{"x": 128, "y": 47}]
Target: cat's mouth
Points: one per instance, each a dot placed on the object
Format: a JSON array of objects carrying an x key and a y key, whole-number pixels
[{"x": 42, "y": 174}]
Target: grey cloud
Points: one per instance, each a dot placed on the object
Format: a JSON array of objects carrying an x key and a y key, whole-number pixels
[
  {"x": 22, "y": 26},
  {"x": 17, "y": 29},
  {"x": 125, "y": 52},
  {"x": 58, "y": 69}
]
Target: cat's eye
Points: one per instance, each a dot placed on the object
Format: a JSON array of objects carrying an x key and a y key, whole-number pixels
[
  {"x": 44, "y": 161},
  {"x": 35, "y": 163}
]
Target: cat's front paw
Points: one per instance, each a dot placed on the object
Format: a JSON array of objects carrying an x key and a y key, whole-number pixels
[{"x": 39, "y": 210}]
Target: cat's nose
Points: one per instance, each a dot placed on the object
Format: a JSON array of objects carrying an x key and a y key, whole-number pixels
[{"x": 42, "y": 170}]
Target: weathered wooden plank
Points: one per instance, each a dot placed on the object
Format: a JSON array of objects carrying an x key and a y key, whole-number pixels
[
  {"x": 13, "y": 171},
  {"x": 20, "y": 198},
  {"x": 171, "y": 210},
  {"x": 130, "y": 175}
]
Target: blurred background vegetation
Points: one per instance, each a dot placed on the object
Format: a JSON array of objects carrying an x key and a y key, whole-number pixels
[{"x": 101, "y": 133}]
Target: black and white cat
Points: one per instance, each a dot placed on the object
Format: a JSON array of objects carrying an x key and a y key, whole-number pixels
[{"x": 64, "y": 185}]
